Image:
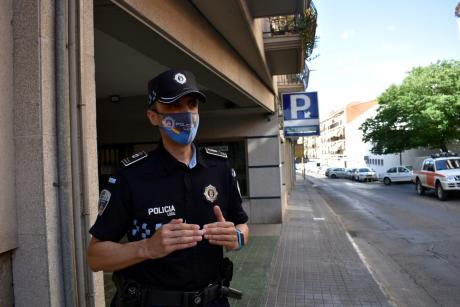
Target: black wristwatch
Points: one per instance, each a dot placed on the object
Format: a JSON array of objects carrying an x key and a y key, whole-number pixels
[{"x": 240, "y": 237}]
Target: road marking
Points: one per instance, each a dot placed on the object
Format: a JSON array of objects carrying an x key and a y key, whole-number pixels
[
  {"x": 318, "y": 219},
  {"x": 391, "y": 300}
]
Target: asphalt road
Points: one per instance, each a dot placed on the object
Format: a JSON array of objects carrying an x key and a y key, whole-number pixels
[{"x": 410, "y": 243}]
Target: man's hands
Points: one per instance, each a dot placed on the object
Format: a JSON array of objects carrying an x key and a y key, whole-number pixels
[
  {"x": 177, "y": 235},
  {"x": 221, "y": 232},
  {"x": 170, "y": 237}
]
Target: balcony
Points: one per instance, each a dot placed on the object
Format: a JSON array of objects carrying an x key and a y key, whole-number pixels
[
  {"x": 289, "y": 40},
  {"x": 283, "y": 45},
  {"x": 289, "y": 83},
  {"x": 269, "y": 8}
]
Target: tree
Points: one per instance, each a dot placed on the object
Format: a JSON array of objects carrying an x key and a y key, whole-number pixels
[{"x": 424, "y": 111}]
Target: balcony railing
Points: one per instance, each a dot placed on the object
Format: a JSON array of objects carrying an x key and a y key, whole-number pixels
[
  {"x": 291, "y": 79},
  {"x": 333, "y": 125},
  {"x": 282, "y": 25}
]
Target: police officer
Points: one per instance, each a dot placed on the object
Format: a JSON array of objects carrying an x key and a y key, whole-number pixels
[{"x": 179, "y": 207}]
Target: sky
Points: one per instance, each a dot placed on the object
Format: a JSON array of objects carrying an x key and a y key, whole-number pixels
[{"x": 365, "y": 46}]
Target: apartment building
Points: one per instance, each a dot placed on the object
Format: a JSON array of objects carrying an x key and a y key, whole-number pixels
[
  {"x": 73, "y": 82},
  {"x": 333, "y": 138},
  {"x": 340, "y": 142}
]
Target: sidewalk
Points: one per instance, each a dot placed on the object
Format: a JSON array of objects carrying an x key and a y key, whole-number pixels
[{"x": 306, "y": 261}]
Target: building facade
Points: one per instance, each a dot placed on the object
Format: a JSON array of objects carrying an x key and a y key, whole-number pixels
[
  {"x": 340, "y": 142},
  {"x": 333, "y": 138},
  {"x": 73, "y": 80}
]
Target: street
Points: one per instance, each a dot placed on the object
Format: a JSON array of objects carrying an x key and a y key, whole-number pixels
[{"x": 410, "y": 243}]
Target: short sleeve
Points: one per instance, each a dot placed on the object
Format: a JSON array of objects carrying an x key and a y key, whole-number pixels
[
  {"x": 113, "y": 211},
  {"x": 236, "y": 212}
]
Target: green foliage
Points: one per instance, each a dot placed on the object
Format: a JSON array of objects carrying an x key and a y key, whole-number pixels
[
  {"x": 424, "y": 111},
  {"x": 303, "y": 24},
  {"x": 306, "y": 24}
]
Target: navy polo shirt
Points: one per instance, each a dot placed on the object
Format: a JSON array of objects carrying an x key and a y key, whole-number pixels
[{"x": 149, "y": 193}]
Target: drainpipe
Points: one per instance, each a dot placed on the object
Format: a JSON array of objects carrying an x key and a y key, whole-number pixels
[
  {"x": 64, "y": 184},
  {"x": 76, "y": 141}
]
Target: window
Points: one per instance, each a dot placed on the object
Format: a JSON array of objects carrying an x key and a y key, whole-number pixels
[
  {"x": 448, "y": 164},
  {"x": 429, "y": 166}
]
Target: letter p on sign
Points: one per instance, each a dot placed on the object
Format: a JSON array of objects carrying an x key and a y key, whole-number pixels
[{"x": 300, "y": 103}]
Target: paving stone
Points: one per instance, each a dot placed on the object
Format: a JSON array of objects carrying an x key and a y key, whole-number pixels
[{"x": 315, "y": 264}]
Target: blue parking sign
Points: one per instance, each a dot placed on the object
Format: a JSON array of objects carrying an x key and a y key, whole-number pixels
[{"x": 301, "y": 115}]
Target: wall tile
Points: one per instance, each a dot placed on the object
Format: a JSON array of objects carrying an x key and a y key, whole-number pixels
[
  {"x": 29, "y": 185},
  {"x": 30, "y": 263},
  {"x": 25, "y": 19}
]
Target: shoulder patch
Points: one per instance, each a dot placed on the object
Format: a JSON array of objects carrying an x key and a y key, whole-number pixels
[
  {"x": 134, "y": 158},
  {"x": 214, "y": 152},
  {"x": 104, "y": 200}
]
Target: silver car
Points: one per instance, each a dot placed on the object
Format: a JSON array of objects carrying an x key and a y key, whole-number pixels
[
  {"x": 351, "y": 173},
  {"x": 365, "y": 174},
  {"x": 337, "y": 172}
]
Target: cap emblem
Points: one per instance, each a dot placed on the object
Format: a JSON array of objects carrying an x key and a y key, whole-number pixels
[
  {"x": 180, "y": 78},
  {"x": 210, "y": 193},
  {"x": 152, "y": 96}
]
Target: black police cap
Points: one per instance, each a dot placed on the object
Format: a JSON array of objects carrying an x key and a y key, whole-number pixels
[{"x": 171, "y": 85}]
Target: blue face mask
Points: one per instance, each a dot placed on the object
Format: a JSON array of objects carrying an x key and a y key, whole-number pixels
[{"x": 180, "y": 127}]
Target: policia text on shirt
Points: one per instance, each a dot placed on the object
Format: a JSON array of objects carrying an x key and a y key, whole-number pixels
[{"x": 179, "y": 207}]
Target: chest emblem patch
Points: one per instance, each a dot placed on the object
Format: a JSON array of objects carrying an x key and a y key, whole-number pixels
[
  {"x": 210, "y": 193},
  {"x": 104, "y": 199}
]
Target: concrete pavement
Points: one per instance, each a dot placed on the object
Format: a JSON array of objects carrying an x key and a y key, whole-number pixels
[{"x": 309, "y": 260}]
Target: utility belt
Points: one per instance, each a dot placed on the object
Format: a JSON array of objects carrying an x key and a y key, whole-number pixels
[{"x": 130, "y": 293}]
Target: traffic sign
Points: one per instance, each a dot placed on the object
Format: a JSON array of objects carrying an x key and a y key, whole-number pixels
[{"x": 301, "y": 115}]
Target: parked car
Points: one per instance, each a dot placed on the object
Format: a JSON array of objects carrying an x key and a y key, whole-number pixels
[
  {"x": 440, "y": 172},
  {"x": 350, "y": 173},
  {"x": 365, "y": 174},
  {"x": 409, "y": 167},
  {"x": 396, "y": 174},
  {"x": 326, "y": 173},
  {"x": 337, "y": 172}
]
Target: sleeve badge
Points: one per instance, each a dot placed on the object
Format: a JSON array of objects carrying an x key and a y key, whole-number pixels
[{"x": 104, "y": 200}]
